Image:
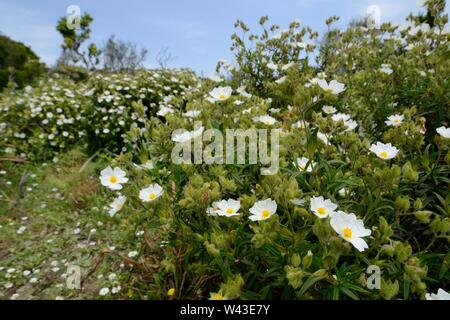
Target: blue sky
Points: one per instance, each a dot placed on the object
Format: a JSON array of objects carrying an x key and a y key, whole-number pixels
[{"x": 197, "y": 32}]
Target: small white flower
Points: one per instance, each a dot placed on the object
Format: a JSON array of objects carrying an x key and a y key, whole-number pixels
[
  {"x": 116, "y": 289},
  {"x": 444, "y": 132},
  {"x": 440, "y": 295},
  {"x": 340, "y": 116},
  {"x": 220, "y": 93},
  {"x": 151, "y": 193},
  {"x": 228, "y": 208},
  {"x": 304, "y": 164},
  {"x": 280, "y": 80},
  {"x": 21, "y": 230},
  {"x": 323, "y": 137},
  {"x": 333, "y": 87},
  {"x": 266, "y": 119},
  {"x": 117, "y": 205},
  {"x": 350, "y": 124},
  {"x": 112, "y": 276},
  {"x": 272, "y": 66},
  {"x": 187, "y": 135},
  {"x": 104, "y": 291},
  {"x": 329, "y": 109},
  {"x": 263, "y": 210},
  {"x": 9, "y": 285},
  {"x": 212, "y": 211},
  {"x": 299, "y": 124},
  {"x": 113, "y": 178},
  {"x": 132, "y": 254},
  {"x": 350, "y": 228},
  {"x": 384, "y": 151},
  {"x": 192, "y": 114},
  {"x": 322, "y": 208},
  {"x": 163, "y": 111},
  {"x": 394, "y": 120},
  {"x": 386, "y": 68}
]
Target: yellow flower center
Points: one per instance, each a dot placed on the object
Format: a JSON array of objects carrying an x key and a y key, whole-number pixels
[
  {"x": 322, "y": 211},
  {"x": 265, "y": 213},
  {"x": 152, "y": 196},
  {"x": 396, "y": 120},
  {"x": 230, "y": 211},
  {"x": 113, "y": 179},
  {"x": 383, "y": 154},
  {"x": 171, "y": 292},
  {"x": 222, "y": 96},
  {"x": 347, "y": 233}
]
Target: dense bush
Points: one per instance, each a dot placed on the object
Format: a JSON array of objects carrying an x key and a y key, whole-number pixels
[{"x": 17, "y": 63}]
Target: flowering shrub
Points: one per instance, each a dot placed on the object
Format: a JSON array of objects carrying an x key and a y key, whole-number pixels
[{"x": 364, "y": 164}]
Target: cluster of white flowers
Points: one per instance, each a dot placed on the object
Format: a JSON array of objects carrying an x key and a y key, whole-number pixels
[{"x": 346, "y": 225}]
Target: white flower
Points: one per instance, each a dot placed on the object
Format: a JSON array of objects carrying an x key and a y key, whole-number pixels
[
  {"x": 340, "y": 116},
  {"x": 280, "y": 80},
  {"x": 444, "y": 132},
  {"x": 132, "y": 254},
  {"x": 228, "y": 207},
  {"x": 187, "y": 135},
  {"x": 104, "y": 291},
  {"x": 384, "y": 151},
  {"x": 350, "y": 228},
  {"x": 212, "y": 211},
  {"x": 329, "y": 109},
  {"x": 342, "y": 192},
  {"x": 220, "y": 93},
  {"x": 395, "y": 120},
  {"x": 113, "y": 178},
  {"x": 266, "y": 119},
  {"x": 440, "y": 295},
  {"x": 322, "y": 208},
  {"x": 386, "y": 68},
  {"x": 304, "y": 164},
  {"x": 242, "y": 92},
  {"x": 163, "y": 111},
  {"x": 333, "y": 87},
  {"x": 350, "y": 124},
  {"x": 263, "y": 210},
  {"x": 272, "y": 66},
  {"x": 21, "y": 230},
  {"x": 323, "y": 137},
  {"x": 153, "y": 192},
  {"x": 182, "y": 137},
  {"x": 192, "y": 114},
  {"x": 299, "y": 124},
  {"x": 116, "y": 289},
  {"x": 149, "y": 165},
  {"x": 117, "y": 205}
]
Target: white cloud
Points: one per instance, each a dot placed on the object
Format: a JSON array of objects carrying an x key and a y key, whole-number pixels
[{"x": 390, "y": 10}]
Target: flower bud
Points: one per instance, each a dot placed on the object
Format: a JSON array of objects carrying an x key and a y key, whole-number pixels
[
  {"x": 296, "y": 260},
  {"x": 388, "y": 289}
]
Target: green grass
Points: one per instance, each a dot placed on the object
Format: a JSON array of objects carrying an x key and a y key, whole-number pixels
[{"x": 56, "y": 201}]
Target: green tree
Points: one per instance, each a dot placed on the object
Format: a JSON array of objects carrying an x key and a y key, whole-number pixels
[
  {"x": 19, "y": 65},
  {"x": 74, "y": 39}
]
